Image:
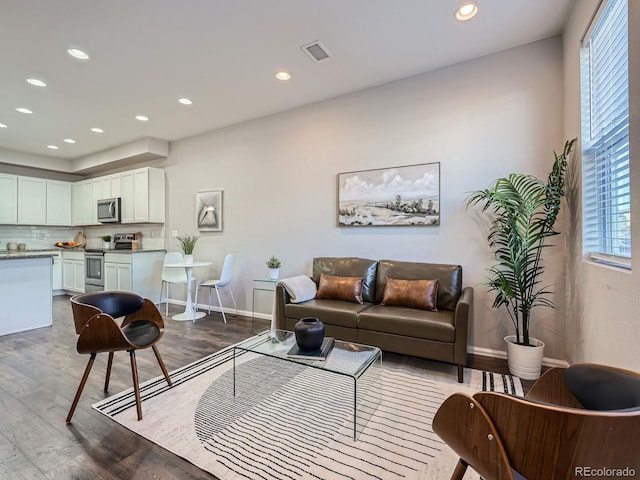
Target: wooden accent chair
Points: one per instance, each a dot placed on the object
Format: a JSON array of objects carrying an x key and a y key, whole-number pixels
[
  {"x": 571, "y": 422},
  {"x": 94, "y": 316}
]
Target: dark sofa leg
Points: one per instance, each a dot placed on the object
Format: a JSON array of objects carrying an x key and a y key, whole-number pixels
[{"x": 460, "y": 373}]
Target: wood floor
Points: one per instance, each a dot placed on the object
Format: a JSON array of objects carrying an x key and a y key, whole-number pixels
[{"x": 39, "y": 374}]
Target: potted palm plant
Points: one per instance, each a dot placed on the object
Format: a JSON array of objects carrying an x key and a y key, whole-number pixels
[
  {"x": 274, "y": 264},
  {"x": 188, "y": 243},
  {"x": 525, "y": 210}
]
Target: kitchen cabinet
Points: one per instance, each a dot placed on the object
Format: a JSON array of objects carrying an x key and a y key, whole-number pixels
[
  {"x": 56, "y": 283},
  {"x": 25, "y": 295},
  {"x": 143, "y": 195},
  {"x": 117, "y": 272},
  {"x": 8, "y": 199},
  {"x": 32, "y": 201},
  {"x": 127, "y": 197},
  {"x": 58, "y": 204},
  {"x": 139, "y": 272},
  {"x": 83, "y": 212},
  {"x": 73, "y": 271}
]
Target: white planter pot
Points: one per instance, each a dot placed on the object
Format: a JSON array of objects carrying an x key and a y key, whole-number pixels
[
  {"x": 274, "y": 273},
  {"x": 188, "y": 259},
  {"x": 524, "y": 361},
  {"x": 106, "y": 245}
]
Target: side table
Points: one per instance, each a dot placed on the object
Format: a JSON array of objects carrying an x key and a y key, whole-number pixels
[{"x": 260, "y": 285}]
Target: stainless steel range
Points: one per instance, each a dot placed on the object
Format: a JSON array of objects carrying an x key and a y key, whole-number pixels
[
  {"x": 94, "y": 262},
  {"x": 93, "y": 270},
  {"x": 123, "y": 241}
]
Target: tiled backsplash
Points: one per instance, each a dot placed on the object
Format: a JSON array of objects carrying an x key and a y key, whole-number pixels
[{"x": 45, "y": 237}]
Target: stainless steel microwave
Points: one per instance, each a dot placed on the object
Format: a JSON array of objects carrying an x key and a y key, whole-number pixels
[{"x": 109, "y": 210}]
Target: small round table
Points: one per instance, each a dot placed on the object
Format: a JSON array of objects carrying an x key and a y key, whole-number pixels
[{"x": 189, "y": 312}]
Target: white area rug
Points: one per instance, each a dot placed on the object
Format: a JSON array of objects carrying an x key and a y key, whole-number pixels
[{"x": 290, "y": 422}]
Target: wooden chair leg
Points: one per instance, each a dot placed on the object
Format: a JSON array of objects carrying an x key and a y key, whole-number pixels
[
  {"x": 136, "y": 387},
  {"x": 108, "y": 375},
  {"x": 164, "y": 369},
  {"x": 460, "y": 373},
  {"x": 460, "y": 470},
  {"x": 76, "y": 399}
]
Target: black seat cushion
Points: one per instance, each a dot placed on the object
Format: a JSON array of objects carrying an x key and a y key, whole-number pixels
[
  {"x": 116, "y": 304},
  {"x": 598, "y": 388},
  {"x": 142, "y": 333}
]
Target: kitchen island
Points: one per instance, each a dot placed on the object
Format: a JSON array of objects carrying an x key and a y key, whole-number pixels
[{"x": 25, "y": 291}]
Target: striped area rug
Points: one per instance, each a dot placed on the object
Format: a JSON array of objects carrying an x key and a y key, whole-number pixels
[{"x": 291, "y": 422}]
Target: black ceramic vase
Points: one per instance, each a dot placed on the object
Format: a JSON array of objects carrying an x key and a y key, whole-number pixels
[{"x": 309, "y": 334}]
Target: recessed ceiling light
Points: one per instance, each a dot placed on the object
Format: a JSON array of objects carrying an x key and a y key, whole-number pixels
[
  {"x": 466, "y": 11},
  {"x": 142, "y": 118},
  {"x": 52, "y": 147},
  {"x": 283, "y": 75},
  {"x": 78, "y": 53},
  {"x": 69, "y": 140},
  {"x": 2, "y": 125},
  {"x": 36, "y": 82},
  {"x": 97, "y": 130},
  {"x": 185, "y": 101},
  {"x": 23, "y": 110}
]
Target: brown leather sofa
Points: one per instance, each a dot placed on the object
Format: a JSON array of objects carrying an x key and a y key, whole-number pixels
[{"x": 437, "y": 335}]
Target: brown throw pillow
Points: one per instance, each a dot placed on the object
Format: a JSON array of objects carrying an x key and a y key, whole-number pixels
[
  {"x": 411, "y": 293},
  {"x": 348, "y": 289}
]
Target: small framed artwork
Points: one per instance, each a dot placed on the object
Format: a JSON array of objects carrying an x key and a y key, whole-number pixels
[
  {"x": 209, "y": 211},
  {"x": 395, "y": 196}
]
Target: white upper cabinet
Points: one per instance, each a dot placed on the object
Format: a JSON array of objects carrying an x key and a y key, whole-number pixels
[
  {"x": 83, "y": 205},
  {"x": 127, "y": 197},
  {"x": 114, "y": 182},
  {"x": 143, "y": 196},
  {"x": 59, "y": 196},
  {"x": 8, "y": 198},
  {"x": 32, "y": 201},
  {"x": 37, "y": 201}
]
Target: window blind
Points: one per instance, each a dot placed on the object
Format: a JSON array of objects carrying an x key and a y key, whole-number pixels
[{"x": 605, "y": 137}]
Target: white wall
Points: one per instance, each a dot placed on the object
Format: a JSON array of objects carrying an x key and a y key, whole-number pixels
[
  {"x": 603, "y": 302},
  {"x": 480, "y": 119}
]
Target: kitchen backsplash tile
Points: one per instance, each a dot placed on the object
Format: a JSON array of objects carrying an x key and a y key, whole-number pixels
[{"x": 44, "y": 237}]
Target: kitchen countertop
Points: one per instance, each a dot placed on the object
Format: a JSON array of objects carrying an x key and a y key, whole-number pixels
[
  {"x": 140, "y": 250},
  {"x": 20, "y": 254}
]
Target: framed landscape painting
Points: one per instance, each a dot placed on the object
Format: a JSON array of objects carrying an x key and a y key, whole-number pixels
[
  {"x": 395, "y": 196},
  {"x": 209, "y": 211}
]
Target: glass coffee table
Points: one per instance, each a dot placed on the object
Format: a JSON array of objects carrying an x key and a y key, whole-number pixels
[{"x": 362, "y": 364}]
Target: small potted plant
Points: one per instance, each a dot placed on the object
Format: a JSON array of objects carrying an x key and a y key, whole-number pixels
[
  {"x": 106, "y": 241},
  {"x": 274, "y": 265},
  {"x": 188, "y": 243}
]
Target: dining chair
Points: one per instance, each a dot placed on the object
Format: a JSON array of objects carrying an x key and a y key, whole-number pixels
[
  {"x": 175, "y": 276},
  {"x": 94, "y": 316},
  {"x": 217, "y": 285}
]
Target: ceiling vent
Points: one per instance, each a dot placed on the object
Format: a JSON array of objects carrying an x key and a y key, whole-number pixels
[{"x": 317, "y": 51}]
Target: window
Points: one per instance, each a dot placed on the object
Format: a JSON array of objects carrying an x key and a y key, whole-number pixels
[{"x": 605, "y": 137}]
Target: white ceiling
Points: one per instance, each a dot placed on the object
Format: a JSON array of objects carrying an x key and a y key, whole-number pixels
[{"x": 223, "y": 54}]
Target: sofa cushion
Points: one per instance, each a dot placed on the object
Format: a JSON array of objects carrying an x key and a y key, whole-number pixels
[
  {"x": 411, "y": 293},
  {"x": 330, "y": 312},
  {"x": 348, "y": 289},
  {"x": 449, "y": 279},
  {"x": 349, "y": 267},
  {"x": 410, "y": 322}
]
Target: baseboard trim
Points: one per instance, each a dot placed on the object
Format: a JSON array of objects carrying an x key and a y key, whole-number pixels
[
  {"x": 502, "y": 354},
  {"x": 216, "y": 308}
]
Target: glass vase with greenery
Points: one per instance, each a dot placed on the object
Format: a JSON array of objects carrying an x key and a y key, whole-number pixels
[{"x": 525, "y": 210}]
